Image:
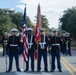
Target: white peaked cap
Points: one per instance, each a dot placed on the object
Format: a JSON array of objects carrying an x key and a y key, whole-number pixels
[
  {"x": 29, "y": 29},
  {"x": 51, "y": 33},
  {"x": 5, "y": 33},
  {"x": 14, "y": 30},
  {"x": 42, "y": 29},
  {"x": 54, "y": 30},
  {"x": 67, "y": 33}
]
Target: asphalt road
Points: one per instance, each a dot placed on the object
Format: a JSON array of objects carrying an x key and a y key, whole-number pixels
[{"x": 68, "y": 66}]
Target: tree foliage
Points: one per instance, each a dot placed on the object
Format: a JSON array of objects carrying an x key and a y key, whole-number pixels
[
  {"x": 17, "y": 19},
  {"x": 5, "y": 22},
  {"x": 68, "y": 20},
  {"x": 10, "y": 20},
  {"x": 45, "y": 24}
]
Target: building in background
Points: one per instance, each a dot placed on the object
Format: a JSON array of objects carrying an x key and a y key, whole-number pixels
[{"x": 9, "y": 10}]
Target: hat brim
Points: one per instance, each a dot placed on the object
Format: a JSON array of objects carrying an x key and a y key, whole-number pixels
[{"x": 14, "y": 31}]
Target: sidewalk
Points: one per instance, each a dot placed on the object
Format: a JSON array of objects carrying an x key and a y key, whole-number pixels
[
  {"x": 1, "y": 49},
  {"x": 73, "y": 48}
]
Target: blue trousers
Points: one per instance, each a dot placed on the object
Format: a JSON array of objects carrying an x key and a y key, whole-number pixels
[
  {"x": 69, "y": 50},
  {"x": 40, "y": 54},
  {"x": 3, "y": 50},
  {"x": 53, "y": 61},
  {"x": 63, "y": 49},
  {"x": 11, "y": 60},
  {"x": 31, "y": 55}
]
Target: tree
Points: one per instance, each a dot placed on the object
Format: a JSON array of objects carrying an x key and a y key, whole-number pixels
[
  {"x": 29, "y": 23},
  {"x": 68, "y": 20},
  {"x": 5, "y": 22},
  {"x": 17, "y": 18},
  {"x": 71, "y": 26},
  {"x": 45, "y": 23}
]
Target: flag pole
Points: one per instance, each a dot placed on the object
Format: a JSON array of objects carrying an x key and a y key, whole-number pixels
[
  {"x": 37, "y": 56},
  {"x": 37, "y": 32},
  {"x": 5, "y": 56},
  {"x": 23, "y": 53}
]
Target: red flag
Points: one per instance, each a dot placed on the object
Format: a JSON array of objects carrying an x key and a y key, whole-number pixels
[
  {"x": 25, "y": 38},
  {"x": 38, "y": 26}
]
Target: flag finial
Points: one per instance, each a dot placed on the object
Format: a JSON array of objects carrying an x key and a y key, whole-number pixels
[
  {"x": 25, "y": 4},
  {"x": 39, "y": 4}
]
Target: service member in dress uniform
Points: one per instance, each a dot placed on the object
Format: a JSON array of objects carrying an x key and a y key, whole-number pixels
[
  {"x": 49, "y": 42},
  {"x": 4, "y": 42},
  {"x": 68, "y": 43},
  {"x": 31, "y": 49},
  {"x": 55, "y": 51},
  {"x": 42, "y": 50},
  {"x": 63, "y": 43},
  {"x": 21, "y": 44},
  {"x": 12, "y": 47}
]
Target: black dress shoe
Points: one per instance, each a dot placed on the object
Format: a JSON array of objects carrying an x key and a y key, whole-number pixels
[
  {"x": 25, "y": 70},
  {"x": 46, "y": 70},
  {"x": 52, "y": 70},
  {"x": 8, "y": 71},
  {"x": 19, "y": 70},
  {"x": 38, "y": 70},
  {"x": 60, "y": 70},
  {"x": 32, "y": 70}
]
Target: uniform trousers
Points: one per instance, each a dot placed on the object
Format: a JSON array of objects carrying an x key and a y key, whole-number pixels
[{"x": 53, "y": 61}]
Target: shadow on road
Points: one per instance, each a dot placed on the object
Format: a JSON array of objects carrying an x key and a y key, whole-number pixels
[
  {"x": 0, "y": 54},
  {"x": 21, "y": 73},
  {"x": 36, "y": 73}
]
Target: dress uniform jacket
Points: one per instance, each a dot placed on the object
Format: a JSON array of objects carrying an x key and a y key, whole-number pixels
[
  {"x": 68, "y": 39},
  {"x": 32, "y": 44},
  {"x": 4, "y": 44},
  {"x": 63, "y": 45},
  {"x": 42, "y": 44},
  {"x": 4, "y": 39},
  {"x": 64, "y": 41},
  {"x": 13, "y": 44},
  {"x": 68, "y": 45},
  {"x": 55, "y": 42}
]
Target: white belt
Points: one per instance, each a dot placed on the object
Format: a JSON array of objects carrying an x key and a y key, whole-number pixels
[
  {"x": 42, "y": 44},
  {"x": 30, "y": 44},
  {"x": 13, "y": 45},
  {"x": 67, "y": 41},
  {"x": 55, "y": 44}
]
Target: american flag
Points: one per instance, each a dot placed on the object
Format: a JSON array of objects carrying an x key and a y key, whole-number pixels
[{"x": 25, "y": 38}]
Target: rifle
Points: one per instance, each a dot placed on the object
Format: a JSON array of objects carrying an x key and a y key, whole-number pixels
[
  {"x": 66, "y": 47},
  {"x": 49, "y": 53},
  {"x": 5, "y": 52}
]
